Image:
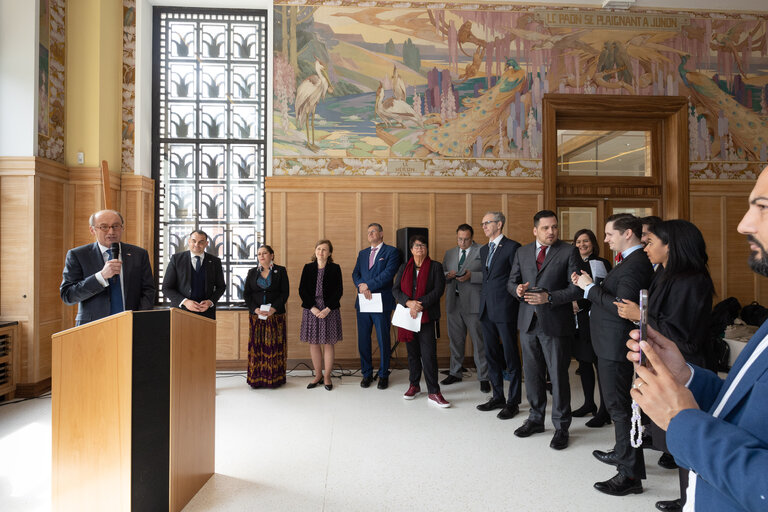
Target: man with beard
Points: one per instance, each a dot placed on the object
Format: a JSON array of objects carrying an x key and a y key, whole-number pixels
[{"x": 716, "y": 428}]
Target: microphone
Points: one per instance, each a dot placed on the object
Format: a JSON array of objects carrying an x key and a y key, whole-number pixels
[{"x": 115, "y": 248}]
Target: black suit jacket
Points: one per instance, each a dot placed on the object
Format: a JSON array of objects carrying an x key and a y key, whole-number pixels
[
  {"x": 495, "y": 302},
  {"x": 680, "y": 309},
  {"x": 177, "y": 282},
  {"x": 609, "y": 331},
  {"x": 562, "y": 260},
  {"x": 582, "y": 350},
  {"x": 80, "y": 286},
  {"x": 431, "y": 298},
  {"x": 333, "y": 287},
  {"x": 276, "y": 293}
]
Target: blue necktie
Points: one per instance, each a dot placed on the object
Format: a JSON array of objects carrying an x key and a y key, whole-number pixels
[
  {"x": 115, "y": 292},
  {"x": 197, "y": 263},
  {"x": 491, "y": 248}
]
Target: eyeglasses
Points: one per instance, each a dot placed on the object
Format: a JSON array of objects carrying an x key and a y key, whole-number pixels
[
  {"x": 419, "y": 246},
  {"x": 485, "y": 223},
  {"x": 105, "y": 227}
]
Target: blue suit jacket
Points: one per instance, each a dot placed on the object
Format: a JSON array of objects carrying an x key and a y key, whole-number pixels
[
  {"x": 379, "y": 276},
  {"x": 80, "y": 286},
  {"x": 495, "y": 301},
  {"x": 729, "y": 453}
]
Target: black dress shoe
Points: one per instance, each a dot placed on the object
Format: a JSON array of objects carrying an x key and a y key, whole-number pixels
[
  {"x": 670, "y": 506},
  {"x": 485, "y": 386},
  {"x": 493, "y": 403},
  {"x": 448, "y": 372},
  {"x": 620, "y": 485},
  {"x": 528, "y": 428},
  {"x": 559, "y": 440},
  {"x": 608, "y": 457},
  {"x": 450, "y": 380},
  {"x": 584, "y": 410},
  {"x": 667, "y": 461},
  {"x": 383, "y": 383},
  {"x": 508, "y": 412},
  {"x": 313, "y": 384},
  {"x": 598, "y": 421},
  {"x": 366, "y": 382},
  {"x": 329, "y": 387}
]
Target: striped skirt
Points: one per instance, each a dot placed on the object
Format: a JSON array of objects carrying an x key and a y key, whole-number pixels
[{"x": 267, "y": 351}]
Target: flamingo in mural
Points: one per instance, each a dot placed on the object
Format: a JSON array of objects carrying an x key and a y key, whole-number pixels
[{"x": 308, "y": 95}]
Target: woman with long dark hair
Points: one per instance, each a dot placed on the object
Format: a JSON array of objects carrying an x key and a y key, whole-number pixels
[
  {"x": 589, "y": 250},
  {"x": 679, "y": 307}
]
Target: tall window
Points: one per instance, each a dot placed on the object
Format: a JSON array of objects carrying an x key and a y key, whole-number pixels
[{"x": 209, "y": 134}]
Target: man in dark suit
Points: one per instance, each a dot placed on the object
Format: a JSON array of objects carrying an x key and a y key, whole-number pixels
[
  {"x": 194, "y": 279},
  {"x": 464, "y": 279},
  {"x": 375, "y": 268},
  {"x": 632, "y": 273},
  {"x": 546, "y": 323},
  {"x": 716, "y": 428},
  {"x": 100, "y": 284},
  {"x": 498, "y": 316}
]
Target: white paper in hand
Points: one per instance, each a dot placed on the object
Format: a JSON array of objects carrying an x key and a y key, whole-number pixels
[
  {"x": 264, "y": 309},
  {"x": 370, "y": 306},
  {"x": 402, "y": 318},
  {"x": 598, "y": 270}
]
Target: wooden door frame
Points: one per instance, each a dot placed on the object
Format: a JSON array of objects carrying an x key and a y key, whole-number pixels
[{"x": 668, "y": 115}]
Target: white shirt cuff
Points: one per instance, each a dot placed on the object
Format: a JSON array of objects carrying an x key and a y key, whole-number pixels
[
  {"x": 586, "y": 290},
  {"x": 691, "y": 377},
  {"x": 100, "y": 279}
]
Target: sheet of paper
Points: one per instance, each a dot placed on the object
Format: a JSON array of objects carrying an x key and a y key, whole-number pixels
[
  {"x": 265, "y": 309},
  {"x": 370, "y": 306},
  {"x": 598, "y": 270},
  {"x": 402, "y": 318}
]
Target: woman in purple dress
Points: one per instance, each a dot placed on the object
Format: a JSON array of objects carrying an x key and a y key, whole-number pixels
[{"x": 320, "y": 290}]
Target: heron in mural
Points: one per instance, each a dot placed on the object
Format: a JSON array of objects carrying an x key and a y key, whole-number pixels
[
  {"x": 398, "y": 85},
  {"x": 308, "y": 95},
  {"x": 395, "y": 111}
]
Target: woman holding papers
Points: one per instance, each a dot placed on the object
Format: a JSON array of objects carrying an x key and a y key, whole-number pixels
[
  {"x": 265, "y": 293},
  {"x": 320, "y": 290},
  {"x": 419, "y": 284},
  {"x": 589, "y": 250}
]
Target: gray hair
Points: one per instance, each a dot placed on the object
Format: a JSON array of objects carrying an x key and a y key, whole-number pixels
[
  {"x": 497, "y": 217},
  {"x": 92, "y": 218}
]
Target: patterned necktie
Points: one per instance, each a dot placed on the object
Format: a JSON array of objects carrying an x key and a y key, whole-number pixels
[
  {"x": 115, "y": 291},
  {"x": 491, "y": 248},
  {"x": 619, "y": 258},
  {"x": 197, "y": 263},
  {"x": 541, "y": 256},
  {"x": 463, "y": 257},
  {"x": 372, "y": 257}
]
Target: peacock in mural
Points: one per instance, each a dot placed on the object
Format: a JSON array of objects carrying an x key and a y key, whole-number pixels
[
  {"x": 748, "y": 129},
  {"x": 479, "y": 121}
]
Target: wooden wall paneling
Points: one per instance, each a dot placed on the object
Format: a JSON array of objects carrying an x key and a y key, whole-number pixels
[
  {"x": 482, "y": 203},
  {"x": 413, "y": 210},
  {"x": 707, "y": 213},
  {"x": 244, "y": 333},
  {"x": 377, "y": 207},
  {"x": 740, "y": 280},
  {"x": 520, "y": 211},
  {"x": 227, "y": 335}
]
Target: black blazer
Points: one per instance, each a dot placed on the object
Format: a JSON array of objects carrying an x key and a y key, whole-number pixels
[
  {"x": 562, "y": 260},
  {"x": 582, "y": 349},
  {"x": 435, "y": 288},
  {"x": 276, "y": 294},
  {"x": 495, "y": 302},
  {"x": 80, "y": 286},
  {"x": 609, "y": 331},
  {"x": 680, "y": 309},
  {"x": 177, "y": 282},
  {"x": 333, "y": 288}
]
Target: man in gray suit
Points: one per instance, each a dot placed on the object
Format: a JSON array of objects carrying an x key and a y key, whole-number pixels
[
  {"x": 464, "y": 278},
  {"x": 540, "y": 279}
]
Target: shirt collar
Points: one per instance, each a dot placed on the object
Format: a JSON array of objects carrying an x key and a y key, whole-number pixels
[
  {"x": 539, "y": 245},
  {"x": 104, "y": 248},
  {"x": 377, "y": 247},
  {"x": 627, "y": 252},
  {"x": 497, "y": 239}
]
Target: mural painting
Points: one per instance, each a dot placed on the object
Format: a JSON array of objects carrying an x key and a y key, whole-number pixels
[{"x": 456, "y": 90}]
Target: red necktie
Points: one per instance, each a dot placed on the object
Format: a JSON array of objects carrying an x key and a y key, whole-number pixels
[
  {"x": 541, "y": 256},
  {"x": 619, "y": 258}
]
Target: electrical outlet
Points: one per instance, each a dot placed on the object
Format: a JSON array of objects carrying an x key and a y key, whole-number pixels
[{"x": 80, "y": 158}]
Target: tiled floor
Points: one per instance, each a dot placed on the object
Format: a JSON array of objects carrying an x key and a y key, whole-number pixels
[{"x": 351, "y": 449}]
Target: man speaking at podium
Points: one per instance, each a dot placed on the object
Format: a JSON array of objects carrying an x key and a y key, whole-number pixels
[
  {"x": 107, "y": 277},
  {"x": 194, "y": 279}
]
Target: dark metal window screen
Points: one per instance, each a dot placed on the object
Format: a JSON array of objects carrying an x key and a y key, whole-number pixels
[{"x": 209, "y": 135}]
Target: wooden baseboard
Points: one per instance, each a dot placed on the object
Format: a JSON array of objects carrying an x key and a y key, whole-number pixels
[{"x": 33, "y": 389}]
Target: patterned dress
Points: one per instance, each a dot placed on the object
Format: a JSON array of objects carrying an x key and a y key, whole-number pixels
[
  {"x": 266, "y": 348},
  {"x": 325, "y": 331}
]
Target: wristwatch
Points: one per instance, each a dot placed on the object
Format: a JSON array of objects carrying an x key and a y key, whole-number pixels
[{"x": 549, "y": 298}]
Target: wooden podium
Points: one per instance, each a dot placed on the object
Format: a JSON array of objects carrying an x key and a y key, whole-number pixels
[{"x": 133, "y": 399}]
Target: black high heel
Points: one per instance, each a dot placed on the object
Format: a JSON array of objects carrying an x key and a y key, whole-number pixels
[
  {"x": 329, "y": 387},
  {"x": 584, "y": 410},
  {"x": 314, "y": 384}
]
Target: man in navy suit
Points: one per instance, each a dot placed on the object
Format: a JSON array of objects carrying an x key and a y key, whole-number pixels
[
  {"x": 498, "y": 316},
  {"x": 716, "y": 428},
  {"x": 194, "y": 279},
  {"x": 99, "y": 283},
  {"x": 374, "y": 271}
]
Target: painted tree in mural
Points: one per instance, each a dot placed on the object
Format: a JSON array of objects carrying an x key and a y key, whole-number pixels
[{"x": 287, "y": 22}]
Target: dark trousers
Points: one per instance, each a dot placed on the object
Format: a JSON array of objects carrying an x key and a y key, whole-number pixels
[
  {"x": 501, "y": 352},
  {"x": 616, "y": 381},
  {"x": 542, "y": 353},
  {"x": 365, "y": 322},
  {"x": 587, "y": 374},
  {"x": 422, "y": 355}
]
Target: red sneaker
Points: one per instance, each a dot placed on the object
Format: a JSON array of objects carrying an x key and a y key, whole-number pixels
[
  {"x": 412, "y": 392},
  {"x": 438, "y": 400}
]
